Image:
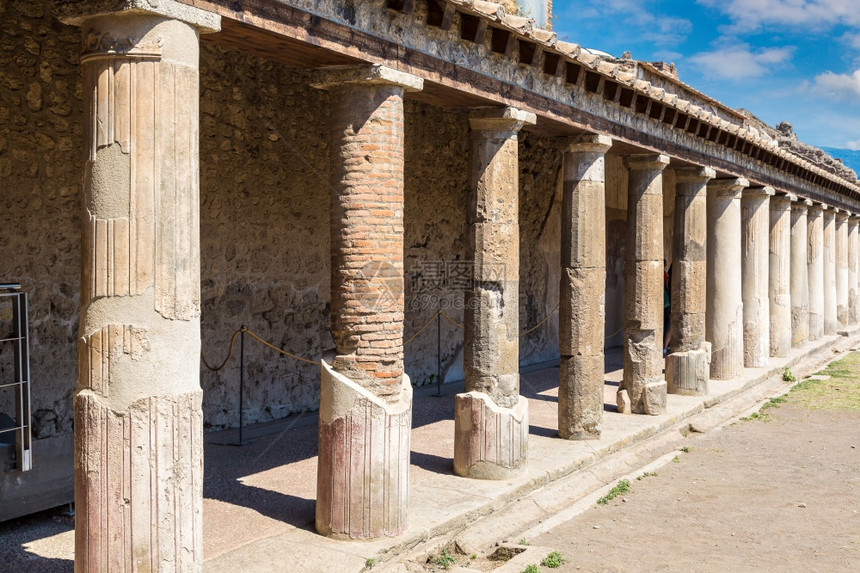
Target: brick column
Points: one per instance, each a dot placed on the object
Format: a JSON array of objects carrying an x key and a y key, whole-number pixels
[
  {"x": 842, "y": 270},
  {"x": 365, "y": 397},
  {"x": 138, "y": 418},
  {"x": 687, "y": 366},
  {"x": 830, "y": 292},
  {"x": 799, "y": 286},
  {"x": 780, "y": 271},
  {"x": 724, "y": 313},
  {"x": 491, "y": 418},
  {"x": 853, "y": 244},
  {"x": 755, "y": 220},
  {"x": 643, "y": 388},
  {"x": 583, "y": 288},
  {"x": 815, "y": 268}
]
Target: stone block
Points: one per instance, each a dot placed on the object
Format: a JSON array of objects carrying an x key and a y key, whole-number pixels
[
  {"x": 654, "y": 398},
  {"x": 622, "y": 400},
  {"x": 490, "y": 442},
  {"x": 364, "y": 452},
  {"x": 643, "y": 301},
  {"x": 496, "y": 250},
  {"x": 583, "y": 236},
  {"x": 582, "y": 311},
  {"x": 645, "y": 228},
  {"x": 580, "y": 397},
  {"x": 687, "y": 372}
]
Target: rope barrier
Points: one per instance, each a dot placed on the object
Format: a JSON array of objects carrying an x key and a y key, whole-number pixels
[
  {"x": 285, "y": 353},
  {"x": 229, "y": 354},
  {"x": 451, "y": 320},
  {"x": 420, "y": 330},
  {"x": 538, "y": 325}
]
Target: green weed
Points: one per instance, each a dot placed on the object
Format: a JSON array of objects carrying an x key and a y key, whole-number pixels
[
  {"x": 554, "y": 560},
  {"x": 621, "y": 487}
]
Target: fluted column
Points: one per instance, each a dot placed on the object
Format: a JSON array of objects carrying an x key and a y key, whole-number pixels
[
  {"x": 780, "y": 271},
  {"x": 831, "y": 324},
  {"x": 842, "y": 308},
  {"x": 491, "y": 418},
  {"x": 583, "y": 288},
  {"x": 643, "y": 389},
  {"x": 365, "y": 414},
  {"x": 755, "y": 220},
  {"x": 815, "y": 267},
  {"x": 799, "y": 272},
  {"x": 724, "y": 311},
  {"x": 687, "y": 367},
  {"x": 853, "y": 244},
  {"x": 138, "y": 418}
]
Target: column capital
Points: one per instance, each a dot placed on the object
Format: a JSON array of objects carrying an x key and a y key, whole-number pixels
[
  {"x": 728, "y": 186},
  {"x": 372, "y": 74},
  {"x": 505, "y": 118},
  {"x": 652, "y": 161},
  {"x": 760, "y": 191},
  {"x": 802, "y": 203},
  {"x": 78, "y": 12},
  {"x": 694, "y": 174},
  {"x": 842, "y": 214},
  {"x": 588, "y": 143}
]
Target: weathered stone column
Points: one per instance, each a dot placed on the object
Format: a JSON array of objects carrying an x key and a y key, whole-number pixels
[
  {"x": 365, "y": 397},
  {"x": 583, "y": 288},
  {"x": 842, "y": 307},
  {"x": 780, "y": 270},
  {"x": 831, "y": 324},
  {"x": 687, "y": 367},
  {"x": 138, "y": 418},
  {"x": 643, "y": 389},
  {"x": 755, "y": 220},
  {"x": 853, "y": 244},
  {"x": 799, "y": 273},
  {"x": 815, "y": 267},
  {"x": 491, "y": 422},
  {"x": 724, "y": 313}
]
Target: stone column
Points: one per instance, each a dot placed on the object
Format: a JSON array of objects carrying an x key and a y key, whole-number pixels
[
  {"x": 724, "y": 312},
  {"x": 365, "y": 397},
  {"x": 491, "y": 423},
  {"x": 583, "y": 288},
  {"x": 852, "y": 247},
  {"x": 687, "y": 367},
  {"x": 815, "y": 268},
  {"x": 853, "y": 244},
  {"x": 842, "y": 307},
  {"x": 780, "y": 271},
  {"x": 643, "y": 389},
  {"x": 830, "y": 291},
  {"x": 138, "y": 419},
  {"x": 755, "y": 220},
  {"x": 799, "y": 286}
]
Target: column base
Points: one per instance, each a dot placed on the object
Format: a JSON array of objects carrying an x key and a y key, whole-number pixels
[
  {"x": 687, "y": 373},
  {"x": 490, "y": 442},
  {"x": 651, "y": 400},
  {"x": 580, "y": 397},
  {"x": 363, "y": 468}
]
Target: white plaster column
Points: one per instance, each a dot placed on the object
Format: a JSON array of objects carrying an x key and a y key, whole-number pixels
[
  {"x": 815, "y": 267},
  {"x": 687, "y": 367},
  {"x": 831, "y": 324},
  {"x": 583, "y": 288},
  {"x": 755, "y": 220},
  {"x": 799, "y": 286},
  {"x": 491, "y": 424},
  {"x": 842, "y": 308},
  {"x": 853, "y": 244},
  {"x": 780, "y": 271},
  {"x": 724, "y": 311},
  {"x": 643, "y": 388},
  {"x": 365, "y": 415},
  {"x": 138, "y": 418}
]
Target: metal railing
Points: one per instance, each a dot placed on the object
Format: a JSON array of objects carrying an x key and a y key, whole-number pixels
[{"x": 15, "y": 356}]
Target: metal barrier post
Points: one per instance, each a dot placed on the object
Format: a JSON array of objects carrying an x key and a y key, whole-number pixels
[
  {"x": 241, "y": 383},
  {"x": 438, "y": 353}
]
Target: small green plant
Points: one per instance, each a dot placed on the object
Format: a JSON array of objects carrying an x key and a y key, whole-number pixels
[
  {"x": 444, "y": 560},
  {"x": 645, "y": 475},
  {"x": 773, "y": 402},
  {"x": 531, "y": 569},
  {"x": 473, "y": 556},
  {"x": 554, "y": 560},
  {"x": 686, "y": 449},
  {"x": 676, "y": 460},
  {"x": 621, "y": 487},
  {"x": 787, "y": 375},
  {"x": 756, "y": 416},
  {"x": 524, "y": 541},
  {"x": 370, "y": 562}
]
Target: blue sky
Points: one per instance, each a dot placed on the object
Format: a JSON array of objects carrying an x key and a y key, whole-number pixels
[{"x": 783, "y": 60}]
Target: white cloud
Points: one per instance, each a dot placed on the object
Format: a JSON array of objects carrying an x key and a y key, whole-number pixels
[
  {"x": 739, "y": 62},
  {"x": 853, "y": 145},
  {"x": 750, "y": 15},
  {"x": 838, "y": 86}
]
